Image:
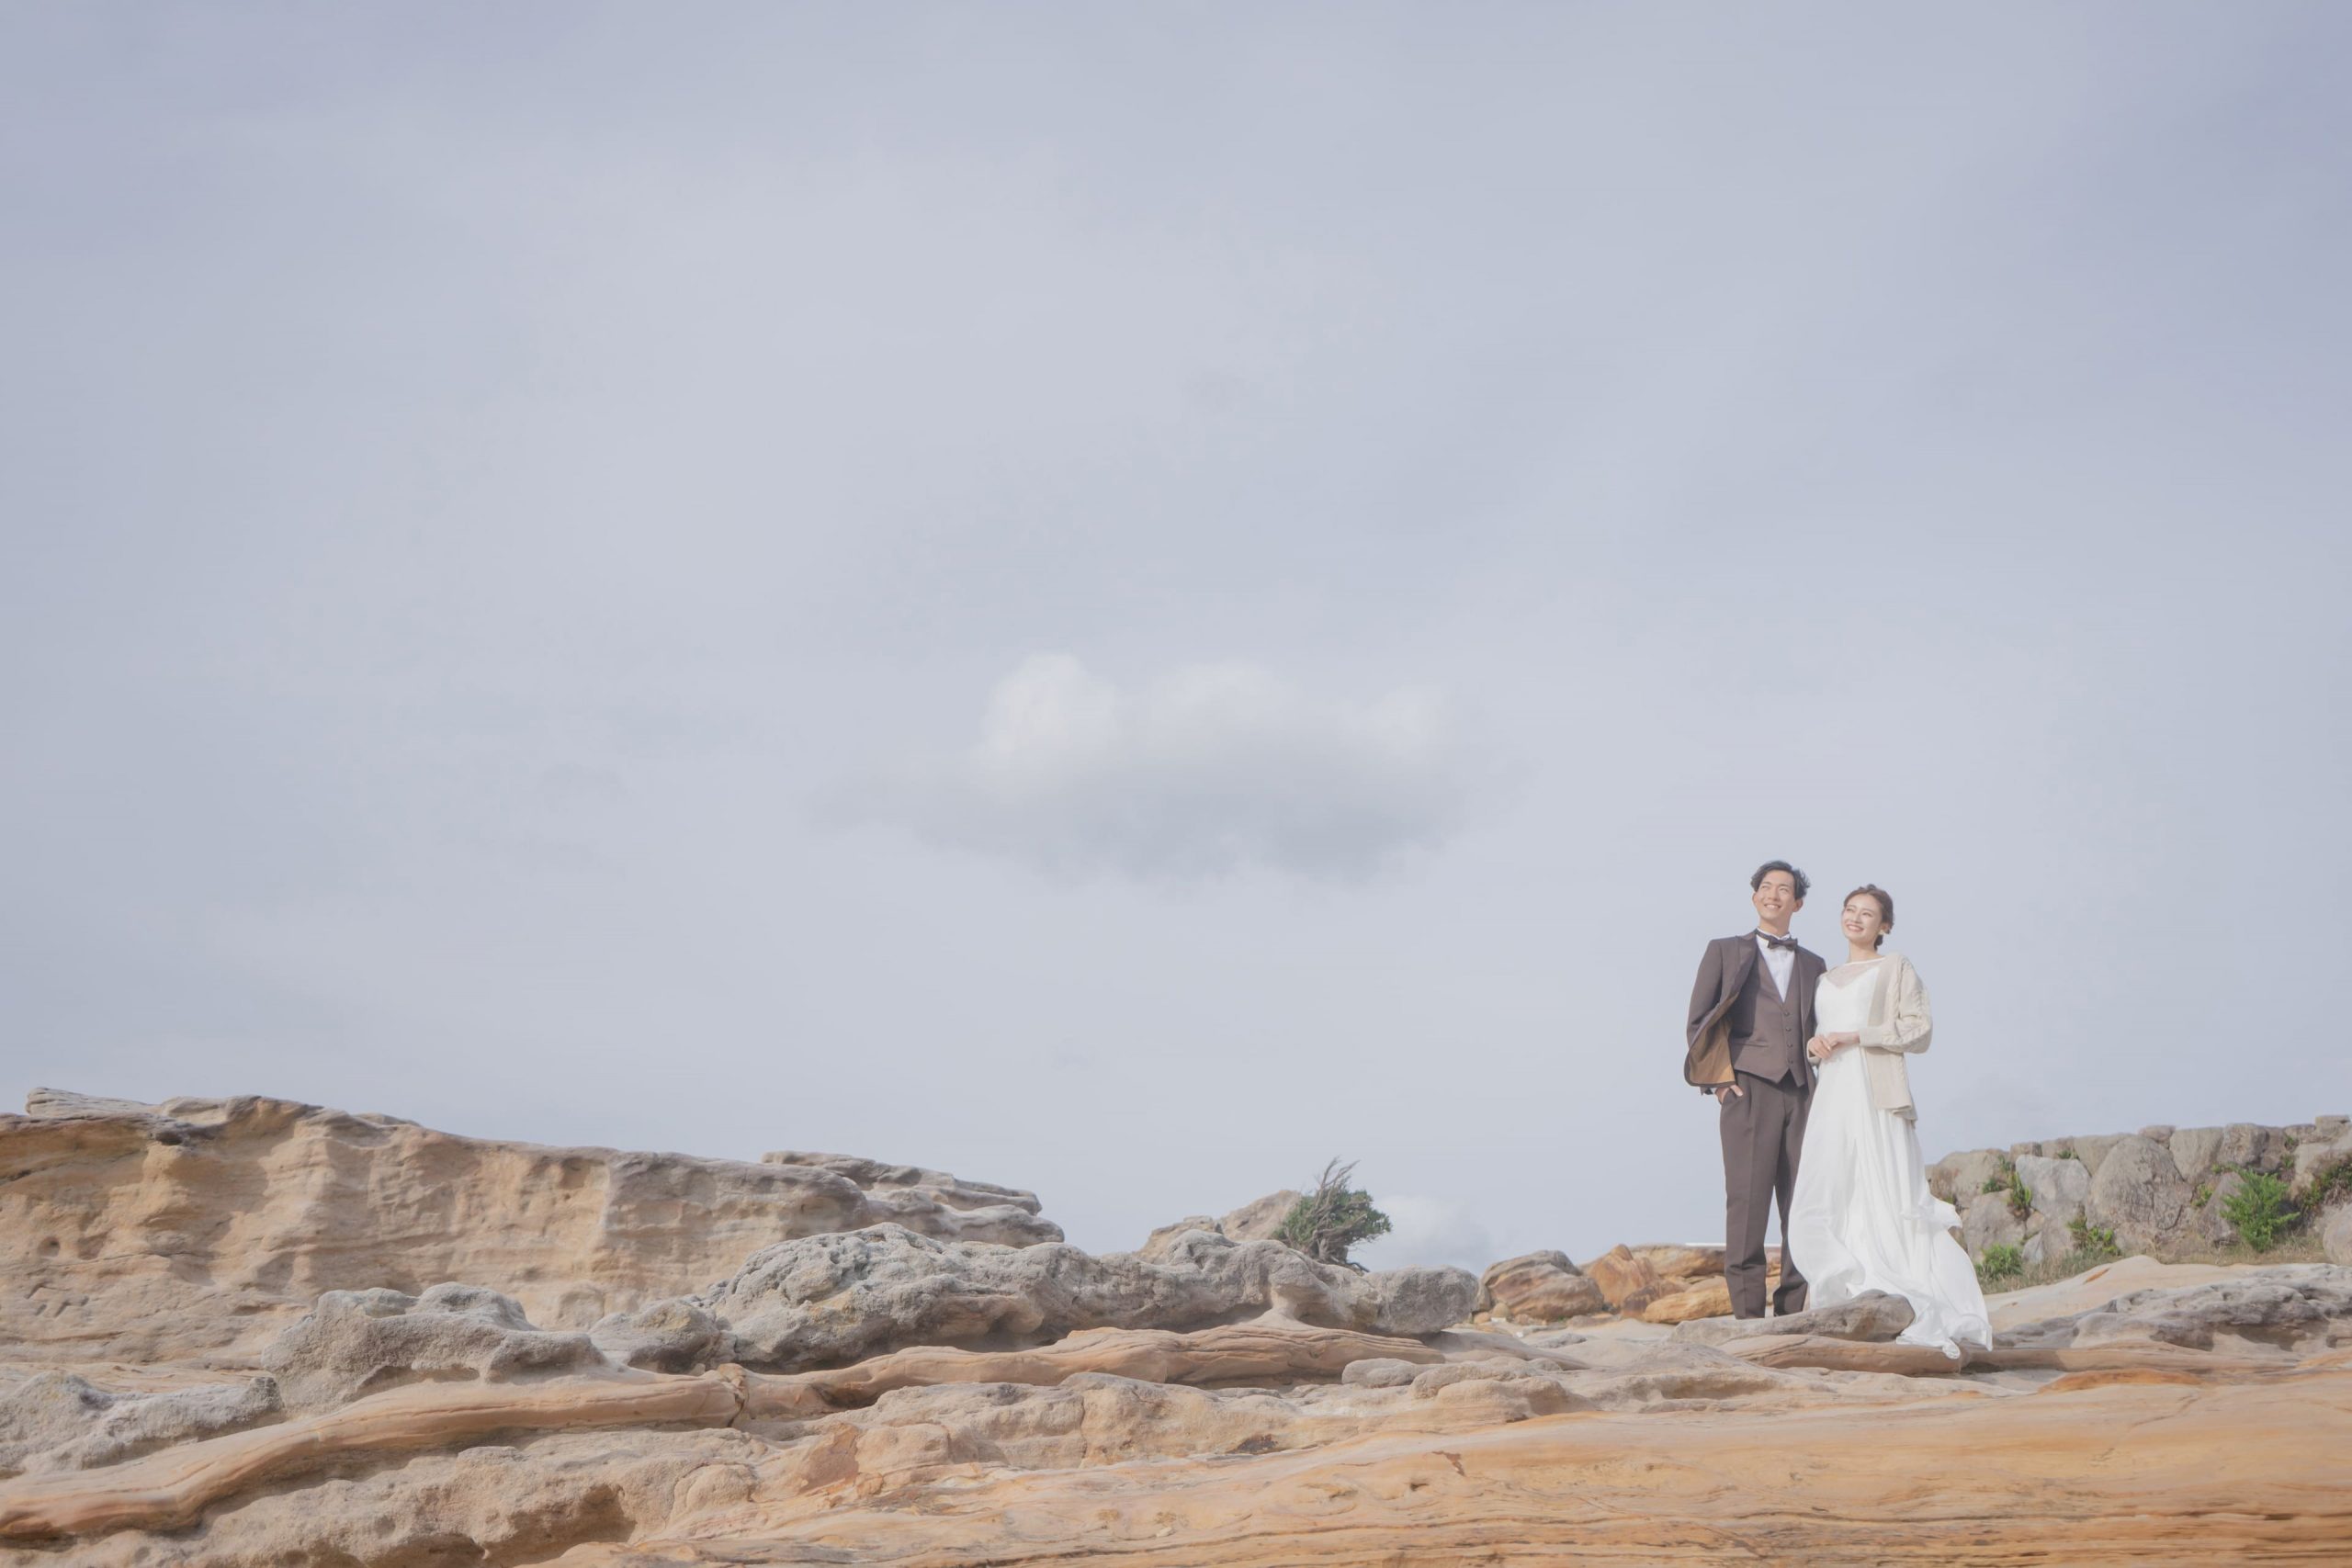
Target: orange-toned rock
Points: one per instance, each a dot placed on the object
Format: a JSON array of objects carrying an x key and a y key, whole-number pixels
[
  {"x": 1627, "y": 1283},
  {"x": 2257, "y": 1471},
  {"x": 1682, "y": 1264},
  {"x": 1542, "y": 1287}
]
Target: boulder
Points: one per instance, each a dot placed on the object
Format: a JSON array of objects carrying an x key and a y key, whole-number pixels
[
  {"x": 1708, "y": 1298},
  {"x": 56, "y": 1420},
  {"x": 1990, "y": 1223},
  {"x": 1541, "y": 1286},
  {"x": 826, "y": 1300},
  {"x": 2317, "y": 1157},
  {"x": 2250, "y": 1148},
  {"x": 2210, "y": 1221},
  {"x": 2193, "y": 1150},
  {"x": 355, "y": 1342},
  {"x": 1873, "y": 1315},
  {"x": 1959, "y": 1178},
  {"x": 2092, "y": 1151},
  {"x": 1260, "y": 1219},
  {"x": 2138, "y": 1193},
  {"x": 1627, "y": 1282},
  {"x": 2335, "y": 1233},
  {"x": 2059, "y": 1189},
  {"x": 1682, "y": 1263}
]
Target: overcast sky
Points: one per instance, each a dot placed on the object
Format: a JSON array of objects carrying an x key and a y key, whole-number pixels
[{"x": 1128, "y": 599}]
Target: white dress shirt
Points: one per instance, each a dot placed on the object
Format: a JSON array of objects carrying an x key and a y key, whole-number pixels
[{"x": 1781, "y": 961}]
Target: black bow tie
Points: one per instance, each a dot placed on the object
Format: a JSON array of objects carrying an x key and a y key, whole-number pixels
[{"x": 1771, "y": 940}]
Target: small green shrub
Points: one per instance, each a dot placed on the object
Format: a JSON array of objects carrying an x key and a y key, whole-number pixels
[
  {"x": 2332, "y": 1182},
  {"x": 2001, "y": 1177},
  {"x": 2093, "y": 1243},
  {"x": 2000, "y": 1262},
  {"x": 2020, "y": 1195},
  {"x": 1332, "y": 1218},
  {"x": 2204, "y": 1193},
  {"x": 2069, "y": 1154},
  {"x": 2259, "y": 1211}
]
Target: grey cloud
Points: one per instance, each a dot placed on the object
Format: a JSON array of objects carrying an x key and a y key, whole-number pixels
[{"x": 1211, "y": 770}]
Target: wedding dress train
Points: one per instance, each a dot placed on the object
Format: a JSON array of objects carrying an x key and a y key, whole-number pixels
[{"x": 1861, "y": 1217}]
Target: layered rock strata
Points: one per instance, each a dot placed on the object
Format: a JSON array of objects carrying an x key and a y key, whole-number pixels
[{"x": 150, "y": 1233}]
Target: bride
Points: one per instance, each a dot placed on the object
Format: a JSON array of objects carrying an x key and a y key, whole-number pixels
[{"x": 1861, "y": 1217}]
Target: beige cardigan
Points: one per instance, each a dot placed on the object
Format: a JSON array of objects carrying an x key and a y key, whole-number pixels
[{"x": 1897, "y": 1025}]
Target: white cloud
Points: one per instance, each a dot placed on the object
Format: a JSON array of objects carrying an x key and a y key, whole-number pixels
[
  {"x": 1428, "y": 1230},
  {"x": 1215, "y": 769}
]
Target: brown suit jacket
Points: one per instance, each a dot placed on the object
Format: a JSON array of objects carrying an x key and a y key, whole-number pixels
[{"x": 1724, "y": 968}]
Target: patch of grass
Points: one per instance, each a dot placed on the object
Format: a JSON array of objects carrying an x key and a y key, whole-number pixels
[
  {"x": 2094, "y": 1244},
  {"x": 2070, "y": 1153},
  {"x": 1332, "y": 1218},
  {"x": 2001, "y": 1177},
  {"x": 2001, "y": 1261},
  {"x": 2204, "y": 1193},
  {"x": 2259, "y": 1211}
]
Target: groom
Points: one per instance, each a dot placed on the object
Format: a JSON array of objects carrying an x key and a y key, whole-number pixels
[{"x": 1751, "y": 1013}]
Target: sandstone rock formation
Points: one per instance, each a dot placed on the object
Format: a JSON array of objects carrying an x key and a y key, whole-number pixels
[
  {"x": 201, "y": 1226},
  {"x": 831, "y": 1299},
  {"x": 1540, "y": 1287},
  {"x": 880, "y": 1396},
  {"x": 1260, "y": 1219}
]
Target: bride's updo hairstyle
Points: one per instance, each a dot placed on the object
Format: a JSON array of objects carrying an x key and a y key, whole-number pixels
[{"x": 1886, "y": 908}]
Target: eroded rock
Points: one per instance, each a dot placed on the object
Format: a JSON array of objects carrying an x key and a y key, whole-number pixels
[
  {"x": 198, "y": 1228},
  {"x": 355, "y": 1342},
  {"x": 56, "y": 1420},
  {"x": 1872, "y": 1315},
  {"x": 828, "y": 1300}
]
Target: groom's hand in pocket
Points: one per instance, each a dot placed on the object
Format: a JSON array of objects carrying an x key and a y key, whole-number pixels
[{"x": 1723, "y": 1095}]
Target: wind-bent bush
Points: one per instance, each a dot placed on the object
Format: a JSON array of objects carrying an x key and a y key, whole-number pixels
[{"x": 1332, "y": 1218}]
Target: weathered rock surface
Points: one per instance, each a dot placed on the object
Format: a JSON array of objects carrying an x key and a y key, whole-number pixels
[
  {"x": 828, "y": 1300},
  {"x": 1627, "y": 1282},
  {"x": 883, "y": 1181},
  {"x": 197, "y": 1227},
  {"x": 951, "y": 1407},
  {"x": 2138, "y": 1194},
  {"x": 2060, "y": 1187},
  {"x": 356, "y": 1342},
  {"x": 2142, "y": 1185},
  {"x": 1540, "y": 1287},
  {"x": 2078, "y": 1476},
  {"x": 2335, "y": 1233},
  {"x": 676, "y": 1336},
  {"x": 2305, "y": 1307},
  {"x": 1260, "y": 1219},
  {"x": 1872, "y": 1315},
  {"x": 56, "y": 1420}
]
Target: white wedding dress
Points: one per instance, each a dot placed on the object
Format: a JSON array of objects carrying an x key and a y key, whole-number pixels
[{"x": 1861, "y": 1217}]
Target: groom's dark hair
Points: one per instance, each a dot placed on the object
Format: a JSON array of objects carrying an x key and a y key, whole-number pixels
[{"x": 1770, "y": 866}]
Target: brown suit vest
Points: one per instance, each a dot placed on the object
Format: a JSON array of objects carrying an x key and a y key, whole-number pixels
[{"x": 1764, "y": 1034}]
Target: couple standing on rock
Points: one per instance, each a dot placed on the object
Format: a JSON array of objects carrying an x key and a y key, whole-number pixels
[{"x": 1806, "y": 1064}]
